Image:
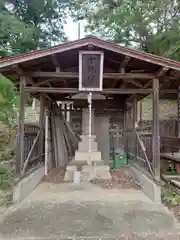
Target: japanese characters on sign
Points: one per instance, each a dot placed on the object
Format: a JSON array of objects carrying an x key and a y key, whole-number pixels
[{"x": 91, "y": 71}]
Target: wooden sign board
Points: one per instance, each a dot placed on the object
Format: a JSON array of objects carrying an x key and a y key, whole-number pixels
[{"x": 91, "y": 70}]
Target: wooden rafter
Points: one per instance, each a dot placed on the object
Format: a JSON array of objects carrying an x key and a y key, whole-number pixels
[{"x": 159, "y": 74}]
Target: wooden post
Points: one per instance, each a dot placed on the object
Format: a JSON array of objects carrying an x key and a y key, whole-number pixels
[
  {"x": 178, "y": 110},
  {"x": 134, "y": 118},
  {"x": 46, "y": 140},
  {"x": 41, "y": 124},
  {"x": 141, "y": 110},
  {"x": 20, "y": 132},
  {"x": 156, "y": 137},
  {"x": 125, "y": 131}
]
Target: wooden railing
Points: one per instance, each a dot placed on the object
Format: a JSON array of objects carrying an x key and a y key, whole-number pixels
[{"x": 170, "y": 144}]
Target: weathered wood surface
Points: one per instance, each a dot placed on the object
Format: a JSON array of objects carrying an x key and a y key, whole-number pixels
[
  {"x": 20, "y": 132},
  {"x": 156, "y": 136}
]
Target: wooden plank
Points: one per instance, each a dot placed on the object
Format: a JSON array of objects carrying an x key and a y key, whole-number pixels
[
  {"x": 75, "y": 90},
  {"x": 20, "y": 132},
  {"x": 69, "y": 75},
  {"x": 134, "y": 118},
  {"x": 156, "y": 137}
]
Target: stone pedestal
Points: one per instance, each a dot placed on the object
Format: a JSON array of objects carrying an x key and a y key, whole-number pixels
[
  {"x": 88, "y": 173},
  {"x": 91, "y": 162}
]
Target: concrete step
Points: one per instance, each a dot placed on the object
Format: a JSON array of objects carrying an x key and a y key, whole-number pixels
[
  {"x": 84, "y": 147},
  {"x": 84, "y": 156}
]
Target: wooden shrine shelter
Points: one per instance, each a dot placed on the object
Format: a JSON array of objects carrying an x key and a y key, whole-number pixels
[{"x": 52, "y": 75}]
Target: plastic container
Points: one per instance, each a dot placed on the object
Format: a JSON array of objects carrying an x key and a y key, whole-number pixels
[
  {"x": 115, "y": 163},
  {"x": 119, "y": 160},
  {"x": 123, "y": 160}
]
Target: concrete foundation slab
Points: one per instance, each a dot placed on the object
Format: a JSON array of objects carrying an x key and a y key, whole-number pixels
[
  {"x": 86, "y": 211},
  {"x": 25, "y": 186}
]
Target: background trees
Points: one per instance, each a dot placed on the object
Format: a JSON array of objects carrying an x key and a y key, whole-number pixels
[
  {"x": 152, "y": 26},
  {"x": 27, "y": 25}
]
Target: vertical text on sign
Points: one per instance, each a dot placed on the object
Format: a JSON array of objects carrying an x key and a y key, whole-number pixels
[{"x": 91, "y": 70}]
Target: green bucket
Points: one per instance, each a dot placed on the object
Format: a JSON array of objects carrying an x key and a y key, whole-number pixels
[
  {"x": 116, "y": 163},
  {"x": 123, "y": 160},
  {"x": 120, "y": 160}
]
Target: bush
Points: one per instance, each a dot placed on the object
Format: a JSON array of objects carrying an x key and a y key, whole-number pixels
[{"x": 6, "y": 178}]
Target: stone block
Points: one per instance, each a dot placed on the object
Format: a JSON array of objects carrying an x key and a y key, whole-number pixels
[
  {"x": 70, "y": 169},
  {"x": 89, "y": 173},
  {"x": 85, "y": 137},
  {"x": 84, "y": 156},
  {"x": 84, "y": 147}
]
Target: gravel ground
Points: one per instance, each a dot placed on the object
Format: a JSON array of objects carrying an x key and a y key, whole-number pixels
[
  {"x": 56, "y": 175},
  {"x": 120, "y": 180}
]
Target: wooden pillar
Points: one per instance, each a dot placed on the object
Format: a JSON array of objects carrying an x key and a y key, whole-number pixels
[
  {"x": 125, "y": 131},
  {"x": 41, "y": 124},
  {"x": 156, "y": 137},
  {"x": 178, "y": 111},
  {"x": 20, "y": 132},
  {"x": 134, "y": 118}
]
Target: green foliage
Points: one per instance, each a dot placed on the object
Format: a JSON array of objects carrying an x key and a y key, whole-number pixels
[
  {"x": 6, "y": 178},
  {"x": 152, "y": 26},
  {"x": 169, "y": 197},
  {"x": 8, "y": 102},
  {"x": 27, "y": 25}
]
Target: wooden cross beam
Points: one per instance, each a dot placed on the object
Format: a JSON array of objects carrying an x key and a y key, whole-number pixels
[{"x": 70, "y": 75}]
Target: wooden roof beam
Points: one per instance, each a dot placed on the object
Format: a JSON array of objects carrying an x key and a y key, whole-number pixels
[
  {"x": 76, "y": 75},
  {"x": 18, "y": 70},
  {"x": 21, "y": 72},
  {"x": 49, "y": 82},
  {"x": 55, "y": 60},
  {"x": 162, "y": 72},
  {"x": 158, "y": 74},
  {"x": 125, "y": 62},
  {"x": 134, "y": 82},
  {"x": 76, "y": 90}
]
